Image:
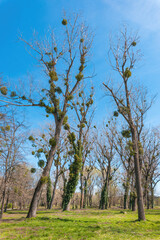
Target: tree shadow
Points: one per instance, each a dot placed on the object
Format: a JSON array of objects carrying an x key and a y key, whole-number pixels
[{"x": 11, "y": 220}]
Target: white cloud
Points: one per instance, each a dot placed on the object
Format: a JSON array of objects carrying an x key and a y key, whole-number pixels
[{"x": 145, "y": 13}]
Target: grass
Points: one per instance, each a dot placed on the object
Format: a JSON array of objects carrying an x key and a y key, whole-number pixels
[{"x": 80, "y": 224}]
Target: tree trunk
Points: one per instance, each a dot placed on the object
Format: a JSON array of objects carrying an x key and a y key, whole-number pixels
[
  {"x": 3, "y": 199},
  {"x": 126, "y": 190},
  {"x": 54, "y": 191},
  {"x": 90, "y": 200},
  {"x": 82, "y": 190},
  {"x": 133, "y": 203},
  {"x": 141, "y": 214},
  {"x": 126, "y": 196},
  {"x": 148, "y": 200},
  {"x": 85, "y": 193},
  {"x": 104, "y": 193},
  {"x": 5, "y": 210},
  {"x": 152, "y": 197}
]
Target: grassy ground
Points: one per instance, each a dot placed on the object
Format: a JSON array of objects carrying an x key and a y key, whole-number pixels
[{"x": 80, "y": 224}]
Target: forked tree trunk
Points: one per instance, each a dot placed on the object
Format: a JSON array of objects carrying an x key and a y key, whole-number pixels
[{"x": 141, "y": 214}]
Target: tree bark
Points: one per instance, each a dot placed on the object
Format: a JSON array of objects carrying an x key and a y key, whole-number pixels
[
  {"x": 82, "y": 190},
  {"x": 141, "y": 214},
  {"x": 85, "y": 193},
  {"x": 126, "y": 197},
  {"x": 5, "y": 209},
  {"x": 152, "y": 197},
  {"x": 54, "y": 191},
  {"x": 133, "y": 203},
  {"x": 3, "y": 199}
]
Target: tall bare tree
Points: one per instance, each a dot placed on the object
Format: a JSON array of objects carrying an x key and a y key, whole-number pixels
[
  {"x": 64, "y": 64},
  {"x": 128, "y": 98}
]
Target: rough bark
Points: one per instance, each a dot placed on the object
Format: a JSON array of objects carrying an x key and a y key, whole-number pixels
[
  {"x": 2, "y": 206},
  {"x": 5, "y": 209},
  {"x": 82, "y": 190},
  {"x": 141, "y": 214},
  {"x": 54, "y": 191},
  {"x": 152, "y": 197},
  {"x": 85, "y": 193},
  {"x": 126, "y": 196}
]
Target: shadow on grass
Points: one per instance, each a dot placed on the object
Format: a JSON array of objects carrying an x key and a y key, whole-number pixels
[
  {"x": 65, "y": 220},
  {"x": 17, "y": 212},
  {"x": 11, "y": 220}
]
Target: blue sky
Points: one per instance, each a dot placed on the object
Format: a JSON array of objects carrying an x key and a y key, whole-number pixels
[{"x": 104, "y": 17}]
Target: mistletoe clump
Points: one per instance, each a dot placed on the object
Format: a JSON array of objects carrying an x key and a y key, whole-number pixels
[
  {"x": 65, "y": 120},
  {"x": 31, "y": 138},
  {"x": 33, "y": 170},
  {"x": 79, "y": 77},
  {"x": 115, "y": 114},
  {"x": 40, "y": 150},
  {"x": 50, "y": 109},
  {"x": 53, "y": 76},
  {"x": 13, "y": 94},
  {"x": 41, "y": 163},
  {"x": 82, "y": 125},
  {"x": 52, "y": 142},
  {"x": 82, "y": 60},
  {"x": 81, "y": 68},
  {"x": 133, "y": 43},
  {"x": 127, "y": 74},
  {"x": 4, "y": 90},
  {"x": 71, "y": 137},
  {"x": 82, "y": 40},
  {"x": 55, "y": 49},
  {"x": 58, "y": 90},
  {"x": 126, "y": 133},
  {"x": 66, "y": 127},
  {"x": 129, "y": 147},
  {"x": 7, "y": 128},
  {"x": 64, "y": 22},
  {"x": 70, "y": 97}
]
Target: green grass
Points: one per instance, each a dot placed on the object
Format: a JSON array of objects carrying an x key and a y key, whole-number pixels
[{"x": 80, "y": 224}]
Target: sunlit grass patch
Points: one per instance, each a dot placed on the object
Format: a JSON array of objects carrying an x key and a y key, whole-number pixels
[{"x": 81, "y": 224}]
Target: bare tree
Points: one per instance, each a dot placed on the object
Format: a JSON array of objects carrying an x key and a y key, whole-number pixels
[
  {"x": 150, "y": 167},
  {"x": 105, "y": 155},
  {"x": 129, "y": 99},
  {"x": 12, "y": 140}
]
